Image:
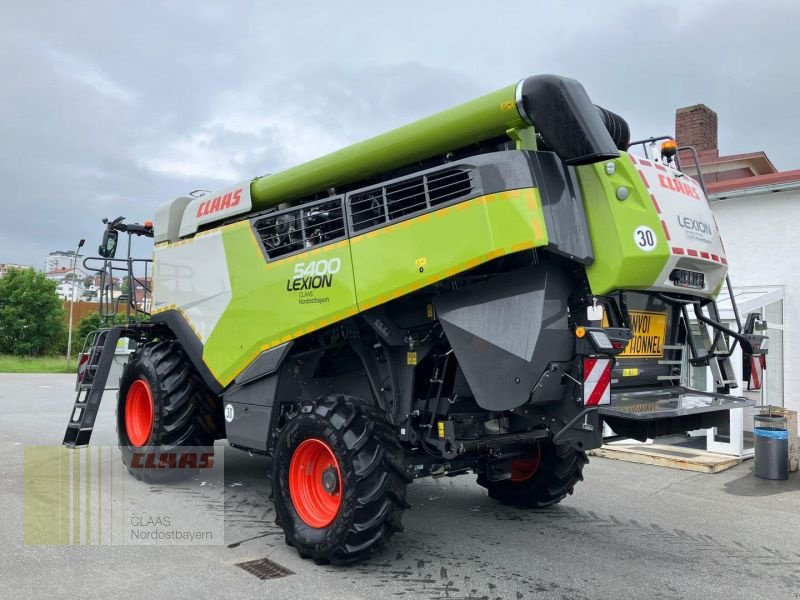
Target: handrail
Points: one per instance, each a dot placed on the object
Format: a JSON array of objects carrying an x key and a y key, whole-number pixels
[{"x": 110, "y": 269}]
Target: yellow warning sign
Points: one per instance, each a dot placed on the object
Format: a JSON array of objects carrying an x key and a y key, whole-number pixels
[{"x": 649, "y": 335}]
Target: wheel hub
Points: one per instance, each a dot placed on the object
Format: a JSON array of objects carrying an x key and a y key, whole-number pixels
[
  {"x": 330, "y": 480},
  {"x": 315, "y": 483}
]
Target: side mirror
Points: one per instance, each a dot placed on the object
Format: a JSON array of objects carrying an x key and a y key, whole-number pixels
[{"x": 109, "y": 246}]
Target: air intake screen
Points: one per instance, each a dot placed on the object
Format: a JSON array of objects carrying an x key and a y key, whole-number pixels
[
  {"x": 302, "y": 228},
  {"x": 394, "y": 201}
]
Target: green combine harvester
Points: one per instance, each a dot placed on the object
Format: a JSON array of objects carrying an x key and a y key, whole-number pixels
[{"x": 480, "y": 291}]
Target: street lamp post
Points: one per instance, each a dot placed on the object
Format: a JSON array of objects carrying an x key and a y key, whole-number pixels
[{"x": 72, "y": 299}]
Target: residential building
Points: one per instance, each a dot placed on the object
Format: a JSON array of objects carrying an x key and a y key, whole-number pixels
[
  {"x": 60, "y": 259},
  {"x": 6, "y": 267},
  {"x": 69, "y": 290}
]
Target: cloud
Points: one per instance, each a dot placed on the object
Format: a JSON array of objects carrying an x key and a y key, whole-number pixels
[
  {"x": 65, "y": 65},
  {"x": 272, "y": 124},
  {"x": 109, "y": 109}
]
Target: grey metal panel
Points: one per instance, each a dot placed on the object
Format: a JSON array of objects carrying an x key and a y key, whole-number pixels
[
  {"x": 252, "y": 408},
  {"x": 650, "y": 413},
  {"x": 249, "y": 426},
  {"x": 565, "y": 218},
  {"x": 505, "y": 331},
  {"x": 261, "y": 392},
  {"x": 167, "y": 224},
  {"x": 500, "y": 171},
  {"x": 662, "y": 403},
  {"x": 264, "y": 364}
]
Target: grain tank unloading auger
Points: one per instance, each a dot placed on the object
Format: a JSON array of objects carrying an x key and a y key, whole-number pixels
[{"x": 478, "y": 291}]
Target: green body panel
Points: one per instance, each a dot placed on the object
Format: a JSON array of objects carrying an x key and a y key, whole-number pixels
[
  {"x": 480, "y": 119},
  {"x": 618, "y": 263},
  {"x": 267, "y": 308},
  {"x": 261, "y": 313},
  {"x": 398, "y": 259}
]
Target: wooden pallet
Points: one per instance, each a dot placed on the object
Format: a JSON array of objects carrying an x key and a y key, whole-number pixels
[{"x": 674, "y": 457}]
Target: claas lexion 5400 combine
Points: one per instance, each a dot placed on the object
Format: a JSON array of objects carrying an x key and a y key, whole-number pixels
[{"x": 477, "y": 292}]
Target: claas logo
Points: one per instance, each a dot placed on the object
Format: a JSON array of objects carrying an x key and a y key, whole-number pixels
[
  {"x": 172, "y": 460},
  {"x": 678, "y": 186},
  {"x": 219, "y": 203}
]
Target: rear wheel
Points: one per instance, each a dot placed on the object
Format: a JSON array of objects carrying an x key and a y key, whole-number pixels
[
  {"x": 162, "y": 406},
  {"x": 338, "y": 480},
  {"x": 543, "y": 478}
]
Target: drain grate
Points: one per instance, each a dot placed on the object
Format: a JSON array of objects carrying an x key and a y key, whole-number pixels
[{"x": 264, "y": 568}]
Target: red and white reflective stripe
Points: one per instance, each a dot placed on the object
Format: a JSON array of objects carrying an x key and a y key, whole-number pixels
[
  {"x": 756, "y": 373},
  {"x": 596, "y": 381},
  {"x": 695, "y": 253},
  {"x": 83, "y": 362}
]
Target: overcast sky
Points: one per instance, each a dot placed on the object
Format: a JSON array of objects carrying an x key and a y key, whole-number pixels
[{"x": 110, "y": 108}]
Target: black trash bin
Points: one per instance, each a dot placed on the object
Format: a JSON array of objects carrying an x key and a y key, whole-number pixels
[{"x": 771, "y": 445}]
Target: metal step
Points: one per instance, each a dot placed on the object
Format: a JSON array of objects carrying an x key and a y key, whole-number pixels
[{"x": 87, "y": 401}]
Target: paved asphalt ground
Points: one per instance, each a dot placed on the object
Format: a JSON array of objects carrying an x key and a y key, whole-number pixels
[{"x": 630, "y": 531}]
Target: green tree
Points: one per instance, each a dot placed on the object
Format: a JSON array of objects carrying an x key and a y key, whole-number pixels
[
  {"x": 31, "y": 314},
  {"x": 88, "y": 324}
]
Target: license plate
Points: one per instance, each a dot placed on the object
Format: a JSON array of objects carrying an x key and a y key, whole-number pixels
[{"x": 649, "y": 335}]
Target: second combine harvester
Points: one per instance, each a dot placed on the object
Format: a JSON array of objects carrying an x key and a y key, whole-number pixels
[{"x": 476, "y": 292}]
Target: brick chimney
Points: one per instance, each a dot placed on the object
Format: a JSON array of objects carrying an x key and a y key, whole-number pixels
[{"x": 696, "y": 126}]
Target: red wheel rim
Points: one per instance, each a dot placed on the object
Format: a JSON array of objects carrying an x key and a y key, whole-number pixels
[
  {"x": 139, "y": 413},
  {"x": 315, "y": 483},
  {"x": 523, "y": 469}
]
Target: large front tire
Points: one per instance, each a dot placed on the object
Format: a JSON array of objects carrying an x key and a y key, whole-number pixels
[
  {"x": 543, "y": 479},
  {"x": 339, "y": 481},
  {"x": 162, "y": 406}
]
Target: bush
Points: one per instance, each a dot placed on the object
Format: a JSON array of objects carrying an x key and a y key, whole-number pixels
[
  {"x": 88, "y": 324},
  {"x": 31, "y": 314}
]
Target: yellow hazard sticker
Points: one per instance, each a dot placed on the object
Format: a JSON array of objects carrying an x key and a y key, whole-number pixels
[
  {"x": 411, "y": 358},
  {"x": 649, "y": 334},
  {"x": 507, "y": 105},
  {"x": 430, "y": 311},
  {"x": 633, "y": 372},
  {"x": 441, "y": 429},
  {"x": 421, "y": 262}
]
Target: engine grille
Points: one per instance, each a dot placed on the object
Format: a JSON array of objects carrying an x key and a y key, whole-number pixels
[
  {"x": 302, "y": 228},
  {"x": 395, "y": 201}
]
